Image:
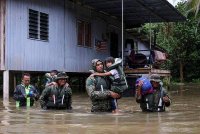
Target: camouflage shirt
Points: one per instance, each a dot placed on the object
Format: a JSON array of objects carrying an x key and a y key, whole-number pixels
[
  {"x": 56, "y": 97},
  {"x": 98, "y": 90}
]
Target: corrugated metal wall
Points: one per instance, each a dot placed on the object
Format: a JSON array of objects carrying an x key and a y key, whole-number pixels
[{"x": 61, "y": 52}]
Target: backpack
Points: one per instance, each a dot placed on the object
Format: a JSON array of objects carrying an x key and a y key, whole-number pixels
[{"x": 117, "y": 65}]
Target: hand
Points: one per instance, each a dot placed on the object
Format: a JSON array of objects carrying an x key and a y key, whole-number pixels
[
  {"x": 166, "y": 99},
  {"x": 52, "y": 83},
  {"x": 91, "y": 71},
  {"x": 31, "y": 94},
  {"x": 92, "y": 75},
  {"x": 138, "y": 91},
  {"x": 138, "y": 95},
  {"x": 66, "y": 85},
  {"x": 114, "y": 95}
]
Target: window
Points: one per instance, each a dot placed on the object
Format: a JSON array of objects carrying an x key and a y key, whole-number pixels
[
  {"x": 80, "y": 33},
  {"x": 38, "y": 25},
  {"x": 84, "y": 33},
  {"x": 44, "y": 26},
  {"x": 87, "y": 34},
  {"x": 33, "y": 24}
]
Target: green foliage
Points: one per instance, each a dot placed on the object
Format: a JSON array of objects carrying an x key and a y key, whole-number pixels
[
  {"x": 193, "y": 6},
  {"x": 196, "y": 80}
]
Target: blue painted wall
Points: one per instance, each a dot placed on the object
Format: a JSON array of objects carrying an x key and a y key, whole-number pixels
[{"x": 61, "y": 52}]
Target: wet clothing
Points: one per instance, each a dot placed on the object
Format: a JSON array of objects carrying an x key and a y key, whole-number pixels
[
  {"x": 98, "y": 90},
  {"x": 119, "y": 84},
  {"x": 49, "y": 78},
  {"x": 115, "y": 74},
  {"x": 21, "y": 94},
  {"x": 114, "y": 104},
  {"x": 153, "y": 102},
  {"x": 114, "y": 88},
  {"x": 55, "y": 97}
]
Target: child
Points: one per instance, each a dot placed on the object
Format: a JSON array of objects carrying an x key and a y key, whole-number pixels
[
  {"x": 146, "y": 85},
  {"x": 118, "y": 81},
  {"x": 51, "y": 77},
  {"x": 145, "y": 89}
]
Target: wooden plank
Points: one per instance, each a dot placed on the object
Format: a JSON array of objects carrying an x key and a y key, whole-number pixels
[
  {"x": 137, "y": 70},
  {"x": 161, "y": 72}
]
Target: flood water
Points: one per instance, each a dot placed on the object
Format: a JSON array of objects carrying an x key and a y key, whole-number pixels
[{"x": 182, "y": 117}]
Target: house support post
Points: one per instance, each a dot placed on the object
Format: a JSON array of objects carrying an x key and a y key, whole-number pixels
[{"x": 6, "y": 86}]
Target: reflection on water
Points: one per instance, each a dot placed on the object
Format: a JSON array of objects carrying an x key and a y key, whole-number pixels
[{"x": 182, "y": 117}]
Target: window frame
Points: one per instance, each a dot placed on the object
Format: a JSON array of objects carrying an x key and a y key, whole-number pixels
[
  {"x": 84, "y": 34},
  {"x": 80, "y": 32},
  {"x": 39, "y": 22}
]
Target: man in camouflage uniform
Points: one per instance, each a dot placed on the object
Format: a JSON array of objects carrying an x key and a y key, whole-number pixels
[
  {"x": 58, "y": 95},
  {"x": 156, "y": 101},
  {"x": 98, "y": 89}
]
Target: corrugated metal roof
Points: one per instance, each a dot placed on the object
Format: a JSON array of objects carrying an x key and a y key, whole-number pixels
[{"x": 137, "y": 12}]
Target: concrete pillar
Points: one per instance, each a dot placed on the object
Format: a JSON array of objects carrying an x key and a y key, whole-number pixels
[{"x": 6, "y": 86}]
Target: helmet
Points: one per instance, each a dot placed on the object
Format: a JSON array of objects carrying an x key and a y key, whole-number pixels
[
  {"x": 61, "y": 75},
  {"x": 155, "y": 77},
  {"x": 94, "y": 62}
]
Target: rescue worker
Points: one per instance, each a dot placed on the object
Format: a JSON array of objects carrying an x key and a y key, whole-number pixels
[
  {"x": 156, "y": 101},
  {"x": 118, "y": 79},
  {"x": 24, "y": 93},
  {"x": 58, "y": 95},
  {"x": 98, "y": 89}
]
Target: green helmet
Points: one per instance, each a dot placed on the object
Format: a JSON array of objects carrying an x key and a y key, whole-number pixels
[
  {"x": 155, "y": 77},
  {"x": 61, "y": 75},
  {"x": 94, "y": 63}
]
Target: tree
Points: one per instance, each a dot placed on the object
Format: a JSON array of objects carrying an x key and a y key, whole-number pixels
[
  {"x": 183, "y": 45},
  {"x": 193, "y": 6}
]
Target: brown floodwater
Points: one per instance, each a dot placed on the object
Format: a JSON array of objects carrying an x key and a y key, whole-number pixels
[{"x": 182, "y": 117}]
